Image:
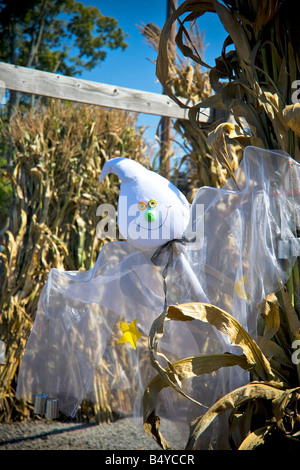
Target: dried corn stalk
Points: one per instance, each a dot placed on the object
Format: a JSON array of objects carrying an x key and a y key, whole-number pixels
[
  {"x": 276, "y": 384},
  {"x": 255, "y": 85},
  {"x": 255, "y": 82}
]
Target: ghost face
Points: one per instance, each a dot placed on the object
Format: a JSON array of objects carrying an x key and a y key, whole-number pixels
[
  {"x": 152, "y": 216},
  {"x": 152, "y": 213}
]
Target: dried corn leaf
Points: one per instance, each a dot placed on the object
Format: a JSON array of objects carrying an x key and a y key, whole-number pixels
[
  {"x": 280, "y": 403},
  {"x": 229, "y": 326},
  {"x": 217, "y": 140},
  {"x": 273, "y": 351},
  {"x": 237, "y": 34},
  {"x": 193, "y": 9},
  {"x": 187, "y": 368},
  {"x": 272, "y": 106},
  {"x": 241, "y": 109},
  {"x": 291, "y": 115},
  {"x": 231, "y": 401},
  {"x": 255, "y": 439},
  {"x": 271, "y": 315},
  {"x": 265, "y": 13},
  {"x": 290, "y": 314},
  {"x": 184, "y": 369},
  {"x": 151, "y": 426}
]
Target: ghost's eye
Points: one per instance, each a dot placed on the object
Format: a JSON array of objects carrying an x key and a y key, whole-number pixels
[
  {"x": 152, "y": 203},
  {"x": 142, "y": 206}
]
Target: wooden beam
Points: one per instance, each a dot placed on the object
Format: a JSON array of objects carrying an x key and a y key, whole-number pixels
[
  {"x": 37, "y": 82},
  {"x": 166, "y": 122}
]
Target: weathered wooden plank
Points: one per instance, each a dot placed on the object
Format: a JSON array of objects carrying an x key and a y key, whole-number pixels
[{"x": 84, "y": 91}]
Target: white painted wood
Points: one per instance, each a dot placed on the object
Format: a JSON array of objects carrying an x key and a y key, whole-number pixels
[{"x": 37, "y": 82}]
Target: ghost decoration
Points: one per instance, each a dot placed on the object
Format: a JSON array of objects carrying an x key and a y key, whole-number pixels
[
  {"x": 230, "y": 247},
  {"x": 151, "y": 210}
]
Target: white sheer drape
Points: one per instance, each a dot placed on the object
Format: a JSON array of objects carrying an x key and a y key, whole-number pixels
[{"x": 75, "y": 334}]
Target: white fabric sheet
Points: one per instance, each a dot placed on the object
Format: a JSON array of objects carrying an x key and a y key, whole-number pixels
[{"x": 233, "y": 234}]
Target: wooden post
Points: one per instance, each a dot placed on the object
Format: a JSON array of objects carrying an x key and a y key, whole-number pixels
[{"x": 166, "y": 122}]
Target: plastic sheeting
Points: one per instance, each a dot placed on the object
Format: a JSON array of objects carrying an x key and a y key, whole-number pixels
[{"x": 247, "y": 233}]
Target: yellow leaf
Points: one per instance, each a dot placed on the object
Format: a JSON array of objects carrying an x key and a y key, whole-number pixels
[{"x": 130, "y": 333}]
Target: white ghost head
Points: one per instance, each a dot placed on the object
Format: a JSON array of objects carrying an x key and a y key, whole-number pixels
[{"x": 151, "y": 210}]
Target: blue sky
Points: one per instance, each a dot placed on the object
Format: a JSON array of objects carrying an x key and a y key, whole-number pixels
[{"x": 132, "y": 68}]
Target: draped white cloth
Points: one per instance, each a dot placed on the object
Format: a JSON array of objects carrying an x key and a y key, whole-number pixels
[{"x": 239, "y": 247}]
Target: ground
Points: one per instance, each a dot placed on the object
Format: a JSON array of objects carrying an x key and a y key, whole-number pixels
[{"x": 123, "y": 434}]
